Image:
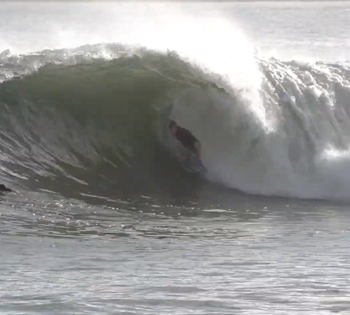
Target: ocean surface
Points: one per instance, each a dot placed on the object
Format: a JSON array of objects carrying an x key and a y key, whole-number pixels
[{"x": 103, "y": 220}]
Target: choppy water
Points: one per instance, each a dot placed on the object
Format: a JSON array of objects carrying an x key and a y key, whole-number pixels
[{"x": 104, "y": 221}]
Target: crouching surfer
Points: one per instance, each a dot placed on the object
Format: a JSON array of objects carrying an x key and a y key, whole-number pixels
[{"x": 186, "y": 138}]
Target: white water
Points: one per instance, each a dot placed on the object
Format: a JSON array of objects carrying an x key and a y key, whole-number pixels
[{"x": 307, "y": 110}]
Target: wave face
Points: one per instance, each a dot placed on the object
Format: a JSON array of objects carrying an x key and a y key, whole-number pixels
[{"x": 88, "y": 119}]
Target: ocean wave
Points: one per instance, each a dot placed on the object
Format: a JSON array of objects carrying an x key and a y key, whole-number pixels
[{"x": 89, "y": 118}]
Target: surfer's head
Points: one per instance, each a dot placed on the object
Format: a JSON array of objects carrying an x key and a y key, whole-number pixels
[{"x": 173, "y": 127}]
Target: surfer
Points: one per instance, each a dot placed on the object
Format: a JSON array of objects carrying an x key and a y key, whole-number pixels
[{"x": 186, "y": 138}]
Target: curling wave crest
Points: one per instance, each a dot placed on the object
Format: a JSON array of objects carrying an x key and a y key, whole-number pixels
[{"x": 90, "y": 116}]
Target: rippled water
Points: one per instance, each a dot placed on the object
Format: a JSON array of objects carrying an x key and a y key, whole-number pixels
[{"x": 262, "y": 256}]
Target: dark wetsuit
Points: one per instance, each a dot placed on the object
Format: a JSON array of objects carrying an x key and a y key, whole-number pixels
[{"x": 186, "y": 138}]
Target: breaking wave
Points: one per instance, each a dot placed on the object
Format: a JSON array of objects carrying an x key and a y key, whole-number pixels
[{"x": 88, "y": 119}]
